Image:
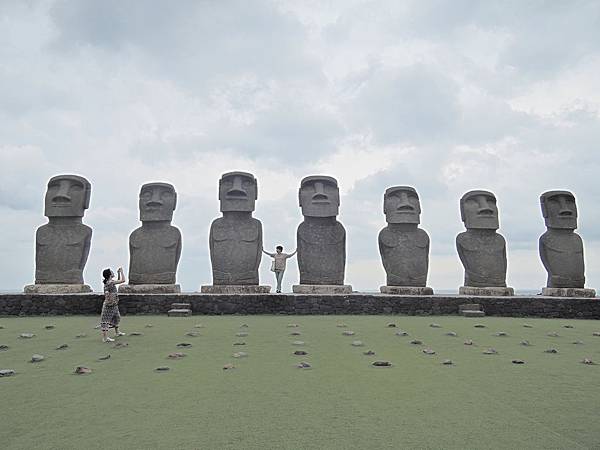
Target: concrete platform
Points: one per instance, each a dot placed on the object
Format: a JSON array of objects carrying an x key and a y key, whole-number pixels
[
  {"x": 56, "y": 289},
  {"x": 406, "y": 290},
  {"x": 149, "y": 289},
  {"x": 487, "y": 291},
  {"x": 235, "y": 289},
  {"x": 322, "y": 289},
  {"x": 568, "y": 292}
]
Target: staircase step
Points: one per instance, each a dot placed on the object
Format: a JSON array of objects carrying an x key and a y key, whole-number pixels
[
  {"x": 181, "y": 305},
  {"x": 472, "y": 313},
  {"x": 179, "y": 312}
]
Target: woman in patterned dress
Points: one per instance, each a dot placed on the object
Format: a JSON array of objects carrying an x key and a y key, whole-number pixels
[{"x": 110, "y": 316}]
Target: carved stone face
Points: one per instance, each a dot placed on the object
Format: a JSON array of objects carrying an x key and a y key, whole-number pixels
[
  {"x": 478, "y": 210},
  {"x": 319, "y": 196},
  {"x": 559, "y": 209},
  {"x": 157, "y": 202},
  {"x": 67, "y": 196},
  {"x": 401, "y": 205},
  {"x": 238, "y": 191}
]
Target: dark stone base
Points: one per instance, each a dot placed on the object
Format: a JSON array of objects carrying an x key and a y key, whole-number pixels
[{"x": 356, "y": 303}]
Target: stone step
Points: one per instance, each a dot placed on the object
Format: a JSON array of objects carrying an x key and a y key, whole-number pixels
[
  {"x": 472, "y": 313},
  {"x": 181, "y": 305},
  {"x": 180, "y": 312},
  {"x": 470, "y": 307}
]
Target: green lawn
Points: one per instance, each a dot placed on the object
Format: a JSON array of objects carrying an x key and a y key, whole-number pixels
[{"x": 482, "y": 401}]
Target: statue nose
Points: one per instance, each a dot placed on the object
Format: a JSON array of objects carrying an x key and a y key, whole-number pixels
[{"x": 62, "y": 196}]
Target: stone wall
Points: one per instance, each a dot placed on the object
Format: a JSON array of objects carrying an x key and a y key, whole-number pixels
[{"x": 518, "y": 306}]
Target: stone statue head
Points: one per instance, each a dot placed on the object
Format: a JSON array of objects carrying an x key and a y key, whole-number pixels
[
  {"x": 401, "y": 205},
  {"x": 478, "y": 210},
  {"x": 157, "y": 202},
  {"x": 319, "y": 196},
  {"x": 559, "y": 209},
  {"x": 238, "y": 191},
  {"x": 67, "y": 196}
]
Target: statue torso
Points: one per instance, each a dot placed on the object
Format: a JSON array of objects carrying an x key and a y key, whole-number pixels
[
  {"x": 154, "y": 254},
  {"x": 405, "y": 256},
  {"x": 483, "y": 257},
  {"x": 321, "y": 252},
  {"x": 563, "y": 259}
]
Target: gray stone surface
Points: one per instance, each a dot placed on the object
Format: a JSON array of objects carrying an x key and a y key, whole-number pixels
[
  {"x": 149, "y": 289},
  {"x": 235, "y": 239},
  {"x": 322, "y": 289},
  {"x": 321, "y": 239},
  {"x": 406, "y": 290},
  {"x": 56, "y": 289},
  {"x": 481, "y": 249},
  {"x": 472, "y": 313},
  {"x": 155, "y": 247},
  {"x": 469, "y": 307},
  {"x": 491, "y": 291},
  {"x": 404, "y": 247},
  {"x": 179, "y": 312},
  {"x": 235, "y": 289},
  {"x": 63, "y": 244},
  {"x": 568, "y": 292},
  {"x": 561, "y": 249}
]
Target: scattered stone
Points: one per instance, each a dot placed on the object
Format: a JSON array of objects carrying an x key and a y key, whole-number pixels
[
  {"x": 240, "y": 355},
  {"x": 447, "y": 362},
  {"x": 435, "y": 325},
  {"x": 300, "y": 353},
  {"x": 525, "y": 343},
  {"x": 6, "y": 373},
  {"x": 596, "y": 333},
  {"x": 416, "y": 342},
  {"x": 588, "y": 361},
  {"x": 49, "y": 327},
  {"x": 577, "y": 342},
  {"x": 303, "y": 365},
  {"x": 104, "y": 358},
  {"x": 518, "y": 361},
  {"x": 192, "y": 334},
  {"x": 62, "y": 347},
  {"x": 553, "y": 334},
  {"x": 1, "y": 327},
  {"x": 568, "y": 326},
  {"x": 148, "y": 325},
  {"x": 162, "y": 369},
  {"x": 479, "y": 325},
  {"x": 428, "y": 351},
  {"x": 120, "y": 345},
  {"x": 26, "y": 335},
  {"x": 369, "y": 353},
  {"x": 37, "y": 358},
  {"x": 295, "y": 333},
  {"x": 391, "y": 325},
  {"x": 501, "y": 333},
  {"x": 381, "y": 364},
  {"x": 551, "y": 350},
  {"x": 239, "y": 343},
  {"x": 490, "y": 351},
  {"x": 81, "y": 335},
  {"x": 401, "y": 333},
  {"x": 357, "y": 343},
  {"x": 81, "y": 370},
  {"x": 298, "y": 343},
  {"x": 341, "y": 325},
  {"x": 184, "y": 344},
  {"x": 198, "y": 325},
  {"x": 136, "y": 333},
  {"x": 348, "y": 333},
  {"x": 3, "y": 348},
  {"x": 451, "y": 333},
  {"x": 244, "y": 325},
  {"x": 468, "y": 342},
  {"x": 527, "y": 325},
  {"x": 228, "y": 366},
  {"x": 241, "y": 334},
  {"x": 292, "y": 325},
  {"x": 176, "y": 355}
]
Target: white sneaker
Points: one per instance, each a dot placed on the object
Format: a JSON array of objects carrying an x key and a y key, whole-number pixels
[
  {"x": 120, "y": 333},
  {"x": 108, "y": 339}
]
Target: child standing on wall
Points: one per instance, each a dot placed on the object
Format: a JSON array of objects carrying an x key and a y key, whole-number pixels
[
  {"x": 278, "y": 264},
  {"x": 110, "y": 316}
]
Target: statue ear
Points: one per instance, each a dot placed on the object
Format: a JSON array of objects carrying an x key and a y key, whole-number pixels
[
  {"x": 175, "y": 200},
  {"x": 255, "y": 189},
  {"x": 300, "y": 197},
  {"x": 544, "y": 209},
  {"x": 220, "y": 183},
  {"x": 88, "y": 194},
  {"x": 462, "y": 209}
]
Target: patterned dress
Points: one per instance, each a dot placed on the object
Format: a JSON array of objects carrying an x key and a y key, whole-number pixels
[{"x": 110, "y": 316}]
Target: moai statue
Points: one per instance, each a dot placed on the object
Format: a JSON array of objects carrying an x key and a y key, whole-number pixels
[
  {"x": 236, "y": 238},
  {"x": 561, "y": 249},
  {"x": 155, "y": 247},
  {"x": 481, "y": 249},
  {"x": 62, "y": 245},
  {"x": 321, "y": 239},
  {"x": 404, "y": 247}
]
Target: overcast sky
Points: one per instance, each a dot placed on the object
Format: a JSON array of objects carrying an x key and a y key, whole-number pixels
[{"x": 445, "y": 96}]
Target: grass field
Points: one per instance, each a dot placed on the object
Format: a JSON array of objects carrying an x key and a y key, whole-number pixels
[{"x": 481, "y": 401}]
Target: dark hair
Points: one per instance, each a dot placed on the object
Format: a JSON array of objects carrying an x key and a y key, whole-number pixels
[
  {"x": 279, "y": 247},
  {"x": 106, "y": 273}
]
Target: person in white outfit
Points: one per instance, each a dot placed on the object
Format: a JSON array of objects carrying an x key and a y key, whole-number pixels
[{"x": 278, "y": 264}]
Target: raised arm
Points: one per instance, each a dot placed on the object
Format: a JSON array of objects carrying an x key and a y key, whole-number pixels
[
  {"x": 292, "y": 254},
  {"x": 120, "y": 276},
  {"x": 272, "y": 255}
]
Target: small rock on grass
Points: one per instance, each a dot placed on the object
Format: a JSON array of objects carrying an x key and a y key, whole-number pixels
[
  {"x": 184, "y": 344},
  {"x": 198, "y": 325},
  {"x": 577, "y": 342},
  {"x": 192, "y": 334},
  {"x": 148, "y": 325},
  {"x": 26, "y": 335},
  {"x": 401, "y": 333},
  {"x": 1, "y": 327},
  {"x": 81, "y": 335},
  {"x": 104, "y": 358},
  {"x": 518, "y": 361},
  {"x": 391, "y": 325},
  {"x": 568, "y": 326},
  {"x": 239, "y": 343},
  {"x": 588, "y": 361},
  {"x": 479, "y": 325},
  {"x": 176, "y": 355},
  {"x": 3, "y": 348},
  {"x": 551, "y": 350},
  {"x": 49, "y": 327},
  {"x": 369, "y": 353},
  {"x": 501, "y": 333},
  {"x": 553, "y": 334},
  {"x": 527, "y": 325},
  {"x": 82, "y": 370},
  {"x": 295, "y": 333},
  {"x": 525, "y": 343},
  {"x": 357, "y": 343},
  {"x": 435, "y": 325},
  {"x": 228, "y": 366},
  {"x": 468, "y": 342},
  {"x": 136, "y": 333},
  {"x": 120, "y": 345},
  {"x": 244, "y": 325},
  {"x": 341, "y": 325},
  {"x": 303, "y": 365},
  {"x": 300, "y": 353},
  {"x": 162, "y": 369},
  {"x": 447, "y": 362},
  {"x": 381, "y": 364},
  {"x": 241, "y": 334},
  {"x": 451, "y": 334},
  {"x": 416, "y": 342},
  {"x": 240, "y": 355},
  {"x": 490, "y": 351},
  {"x": 62, "y": 347},
  {"x": 596, "y": 333},
  {"x": 292, "y": 325},
  {"x": 428, "y": 351},
  {"x": 37, "y": 358},
  {"x": 298, "y": 343},
  {"x": 6, "y": 373},
  {"x": 348, "y": 333}
]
